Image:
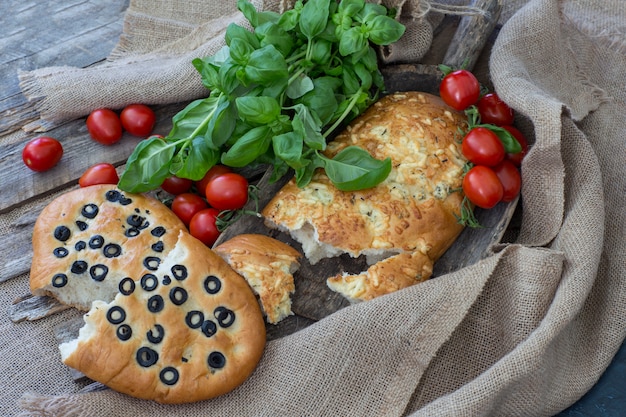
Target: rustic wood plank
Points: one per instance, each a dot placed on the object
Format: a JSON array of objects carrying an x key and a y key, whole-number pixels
[
  {"x": 32, "y": 308},
  {"x": 28, "y": 46}
]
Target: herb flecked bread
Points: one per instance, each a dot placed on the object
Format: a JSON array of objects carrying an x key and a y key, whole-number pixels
[
  {"x": 409, "y": 220},
  {"x": 170, "y": 320}
]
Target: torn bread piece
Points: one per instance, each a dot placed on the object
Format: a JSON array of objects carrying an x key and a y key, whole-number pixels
[
  {"x": 415, "y": 209},
  {"x": 189, "y": 330},
  {"x": 268, "y": 266}
]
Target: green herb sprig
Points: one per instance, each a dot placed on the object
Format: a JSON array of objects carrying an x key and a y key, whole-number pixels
[{"x": 276, "y": 95}]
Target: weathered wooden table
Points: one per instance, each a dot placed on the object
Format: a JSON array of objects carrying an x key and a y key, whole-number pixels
[{"x": 77, "y": 33}]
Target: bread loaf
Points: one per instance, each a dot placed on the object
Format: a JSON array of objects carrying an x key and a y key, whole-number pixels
[{"x": 414, "y": 210}]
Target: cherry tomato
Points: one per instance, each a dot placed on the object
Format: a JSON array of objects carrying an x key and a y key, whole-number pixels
[
  {"x": 203, "y": 226},
  {"x": 103, "y": 173},
  {"x": 42, "y": 153},
  {"x": 185, "y": 205},
  {"x": 213, "y": 172},
  {"x": 482, "y": 187},
  {"x": 227, "y": 191},
  {"x": 516, "y": 158},
  {"x": 510, "y": 178},
  {"x": 176, "y": 185},
  {"x": 459, "y": 89},
  {"x": 494, "y": 111},
  {"x": 138, "y": 120},
  {"x": 483, "y": 147},
  {"x": 104, "y": 126}
]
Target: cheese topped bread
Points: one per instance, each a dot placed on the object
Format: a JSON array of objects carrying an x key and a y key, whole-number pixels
[
  {"x": 268, "y": 265},
  {"x": 414, "y": 210},
  {"x": 168, "y": 319}
]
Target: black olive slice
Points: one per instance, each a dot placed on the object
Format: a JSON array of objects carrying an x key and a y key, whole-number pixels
[
  {"x": 166, "y": 280},
  {"x": 136, "y": 220},
  {"x": 124, "y": 332},
  {"x": 116, "y": 315},
  {"x": 62, "y": 233},
  {"x": 82, "y": 226},
  {"x": 225, "y": 317},
  {"x": 98, "y": 272},
  {"x": 149, "y": 282},
  {"x": 59, "y": 280},
  {"x": 96, "y": 242},
  {"x": 178, "y": 295},
  {"x": 147, "y": 357},
  {"x": 209, "y": 328},
  {"x": 124, "y": 201},
  {"x": 156, "y": 337},
  {"x": 113, "y": 195},
  {"x": 60, "y": 252},
  {"x": 179, "y": 272},
  {"x": 194, "y": 319},
  {"x": 112, "y": 250},
  {"x": 158, "y": 247},
  {"x": 158, "y": 231},
  {"x": 127, "y": 286},
  {"x": 169, "y": 375},
  {"x": 80, "y": 245},
  {"x": 89, "y": 210},
  {"x": 212, "y": 284},
  {"x": 155, "y": 303},
  {"x": 132, "y": 232},
  {"x": 151, "y": 263},
  {"x": 216, "y": 360},
  {"x": 79, "y": 267}
]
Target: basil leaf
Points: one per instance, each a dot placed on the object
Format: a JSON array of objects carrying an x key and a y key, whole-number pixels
[
  {"x": 321, "y": 51},
  {"x": 190, "y": 120},
  {"x": 353, "y": 41},
  {"x": 305, "y": 174},
  {"x": 240, "y": 51},
  {"x": 350, "y": 7},
  {"x": 321, "y": 100},
  {"x": 197, "y": 160},
  {"x": 272, "y": 34},
  {"x": 383, "y": 30},
  {"x": 258, "y": 110},
  {"x": 370, "y": 11},
  {"x": 314, "y": 17},
  {"x": 252, "y": 144},
  {"x": 222, "y": 123},
  {"x": 353, "y": 168},
  {"x": 253, "y": 16},
  {"x": 288, "y": 147},
  {"x": 266, "y": 65},
  {"x": 299, "y": 86},
  {"x": 208, "y": 73},
  {"x": 234, "y": 31},
  {"x": 308, "y": 126},
  {"x": 147, "y": 166}
]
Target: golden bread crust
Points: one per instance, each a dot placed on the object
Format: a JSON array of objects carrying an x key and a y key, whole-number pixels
[
  {"x": 129, "y": 223},
  {"x": 188, "y": 366},
  {"x": 415, "y": 208},
  {"x": 268, "y": 265}
]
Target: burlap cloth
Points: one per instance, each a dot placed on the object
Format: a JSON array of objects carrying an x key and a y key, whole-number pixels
[{"x": 525, "y": 332}]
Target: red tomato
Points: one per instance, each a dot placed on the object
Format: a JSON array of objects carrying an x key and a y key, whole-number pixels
[
  {"x": 482, "y": 187},
  {"x": 459, "y": 89},
  {"x": 483, "y": 147},
  {"x": 213, "y": 172},
  {"x": 176, "y": 185},
  {"x": 104, "y": 126},
  {"x": 185, "y": 205},
  {"x": 516, "y": 158},
  {"x": 42, "y": 153},
  {"x": 494, "y": 111},
  {"x": 138, "y": 120},
  {"x": 203, "y": 227},
  {"x": 510, "y": 178},
  {"x": 227, "y": 191},
  {"x": 103, "y": 173}
]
